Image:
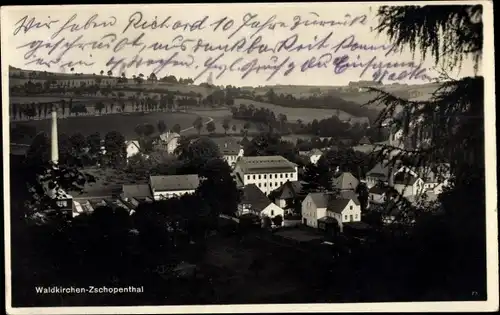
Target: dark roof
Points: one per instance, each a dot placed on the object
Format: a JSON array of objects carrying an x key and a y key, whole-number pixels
[
  {"x": 349, "y": 194},
  {"x": 381, "y": 170},
  {"x": 133, "y": 191},
  {"x": 337, "y": 205},
  {"x": 253, "y": 196},
  {"x": 174, "y": 182},
  {"x": 294, "y": 189},
  {"x": 379, "y": 190},
  {"x": 404, "y": 178},
  {"x": 227, "y": 145},
  {"x": 265, "y": 164},
  {"x": 320, "y": 199},
  {"x": 328, "y": 220},
  {"x": 345, "y": 181}
]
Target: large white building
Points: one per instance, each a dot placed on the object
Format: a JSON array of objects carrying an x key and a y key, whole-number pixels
[{"x": 266, "y": 172}]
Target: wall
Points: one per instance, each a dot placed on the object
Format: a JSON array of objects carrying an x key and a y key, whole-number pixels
[
  {"x": 268, "y": 182},
  {"x": 168, "y": 194}
]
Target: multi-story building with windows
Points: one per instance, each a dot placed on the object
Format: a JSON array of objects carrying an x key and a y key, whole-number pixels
[{"x": 266, "y": 172}]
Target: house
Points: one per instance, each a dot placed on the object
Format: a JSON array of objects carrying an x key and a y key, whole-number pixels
[
  {"x": 320, "y": 208},
  {"x": 168, "y": 141},
  {"x": 289, "y": 191},
  {"x": 230, "y": 149},
  {"x": 314, "y": 208},
  {"x": 435, "y": 178},
  {"x": 254, "y": 201},
  {"x": 133, "y": 148},
  {"x": 313, "y": 155},
  {"x": 345, "y": 181},
  {"x": 379, "y": 194},
  {"x": 381, "y": 173},
  {"x": 168, "y": 186},
  {"x": 408, "y": 184},
  {"x": 364, "y": 141},
  {"x": 267, "y": 172}
]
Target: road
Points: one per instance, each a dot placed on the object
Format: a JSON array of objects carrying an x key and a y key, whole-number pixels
[{"x": 210, "y": 119}]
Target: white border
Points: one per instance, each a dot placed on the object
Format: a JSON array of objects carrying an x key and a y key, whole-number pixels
[{"x": 491, "y": 207}]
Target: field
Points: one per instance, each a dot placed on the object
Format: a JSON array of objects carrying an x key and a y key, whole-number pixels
[
  {"x": 118, "y": 122},
  {"x": 305, "y": 114}
]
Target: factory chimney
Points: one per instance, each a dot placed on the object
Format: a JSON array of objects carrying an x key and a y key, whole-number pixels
[{"x": 54, "y": 153}]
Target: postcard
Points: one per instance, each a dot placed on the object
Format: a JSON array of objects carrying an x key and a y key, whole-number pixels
[{"x": 249, "y": 157}]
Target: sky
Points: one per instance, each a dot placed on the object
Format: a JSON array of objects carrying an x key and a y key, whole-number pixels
[{"x": 70, "y": 37}]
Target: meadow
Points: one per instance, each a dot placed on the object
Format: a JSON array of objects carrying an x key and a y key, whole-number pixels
[{"x": 125, "y": 124}]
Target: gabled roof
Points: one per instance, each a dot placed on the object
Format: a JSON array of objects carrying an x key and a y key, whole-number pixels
[
  {"x": 345, "y": 181},
  {"x": 174, "y": 182},
  {"x": 253, "y": 196},
  {"x": 294, "y": 189},
  {"x": 227, "y": 145},
  {"x": 337, "y": 205},
  {"x": 265, "y": 164},
  {"x": 133, "y": 142},
  {"x": 320, "y": 199},
  {"x": 381, "y": 170}
]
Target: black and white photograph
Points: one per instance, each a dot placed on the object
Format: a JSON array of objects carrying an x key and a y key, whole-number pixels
[{"x": 249, "y": 157}]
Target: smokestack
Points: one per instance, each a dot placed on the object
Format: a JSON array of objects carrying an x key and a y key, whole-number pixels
[{"x": 54, "y": 139}]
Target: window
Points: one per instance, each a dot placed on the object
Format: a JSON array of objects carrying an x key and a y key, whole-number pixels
[
  {"x": 265, "y": 176},
  {"x": 371, "y": 197},
  {"x": 259, "y": 176},
  {"x": 345, "y": 217},
  {"x": 350, "y": 207},
  {"x": 275, "y": 175},
  {"x": 265, "y": 184},
  {"x": 258, "y": 184},
  {"x": 254, "y": 177},
  {"x": 272, "y": 212},
  {"x": 286, "y": 175},
  {"x": 356, "y": 216},
  {"x": 351, "y": 218},
  {"x": 281, "y": 175}
]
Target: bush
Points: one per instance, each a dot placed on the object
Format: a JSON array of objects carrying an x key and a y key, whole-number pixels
[{"x": 278, "y": 220}]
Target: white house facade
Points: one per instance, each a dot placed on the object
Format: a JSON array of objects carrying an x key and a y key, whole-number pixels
[
  {"x": 164, "y": 187},
  {"x": 133, "y": 148}
]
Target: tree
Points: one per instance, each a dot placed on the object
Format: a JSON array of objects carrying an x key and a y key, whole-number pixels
[
  {"x": 162, "y": 127},
  {"x": 218, "y": 187},
  {"x": 211, "y": 127},
  {"x": 450, "y": 124},
  {"x": 149, "y": 129},
  {"x": 99, "y": 106},
  {"x": 93, "y": 142},
  {"x": 39, "y": 150},
  {"x": 278, "y": 220},
  {"x": 140, "y": 130},
  {"x": 110, "y": 73},
  {"x": 234, "y": 128},
  {"x": 198, "y": 124},
  {"x": 102, "y": 72},
  {"x": 195, "y": 153},
  {"x": 116, "y": 151},
  {"x": 225, "y": 125},
  {"x": 176, "y": 128},
  {"x": 362, "y": 191}
]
